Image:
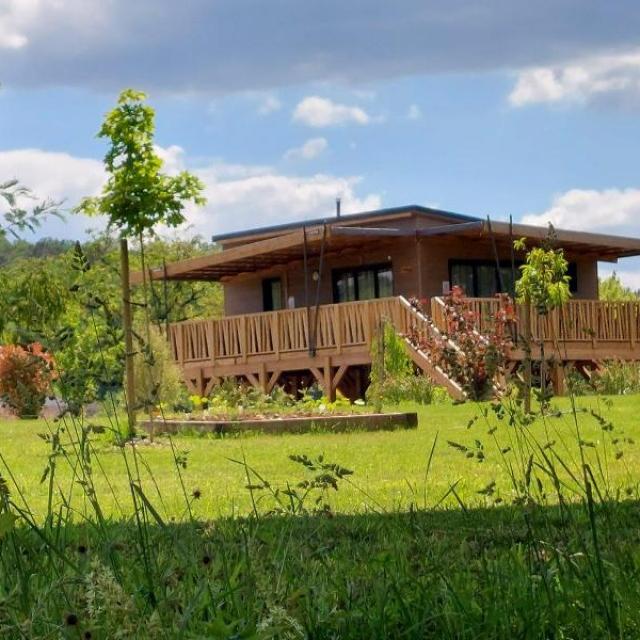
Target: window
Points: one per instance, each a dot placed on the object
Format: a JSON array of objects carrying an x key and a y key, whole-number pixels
[
  {"x": 362, "y": 283},
  {"x": 272, "y": 294},
  {"x": 479, "y": 278}
]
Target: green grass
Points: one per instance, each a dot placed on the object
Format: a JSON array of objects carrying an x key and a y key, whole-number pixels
[
  {"x": 410, "y": 549},
  {"x": 389, "y": 467}
]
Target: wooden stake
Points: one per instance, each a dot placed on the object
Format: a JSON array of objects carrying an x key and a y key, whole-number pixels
[{"x": 127, "y": 325}]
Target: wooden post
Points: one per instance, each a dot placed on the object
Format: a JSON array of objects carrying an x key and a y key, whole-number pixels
[
  {"x": 127, "y": 325},
  {"x": 527, "y": 359},
  {"x": 329, "y": 391},
  {"x": 419, "y": 267}
]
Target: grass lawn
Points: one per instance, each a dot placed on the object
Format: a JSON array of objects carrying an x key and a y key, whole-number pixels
[
  {"x": 497, "y": 564},
  {"x": 389, "y": 467}
]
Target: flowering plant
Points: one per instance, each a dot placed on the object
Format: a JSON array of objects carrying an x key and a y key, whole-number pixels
[{"x": 26, "y": 374}]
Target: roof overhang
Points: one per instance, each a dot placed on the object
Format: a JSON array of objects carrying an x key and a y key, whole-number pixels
[{"x": 345, "y": 234}]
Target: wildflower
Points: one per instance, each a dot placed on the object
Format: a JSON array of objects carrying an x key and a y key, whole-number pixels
[{"x": 197, "y": 494}]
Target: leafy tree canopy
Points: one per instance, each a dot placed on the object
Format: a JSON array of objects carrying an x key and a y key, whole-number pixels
[
  {"x": 137, "y": 195},
  {"x": 613, "y": 290},
  {"x": 544, "y": 282}
]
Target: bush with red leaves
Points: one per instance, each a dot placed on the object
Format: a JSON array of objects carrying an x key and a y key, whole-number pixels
[
  {"x": 26, "y": 375},
  {"x": 475, "y": 360}
]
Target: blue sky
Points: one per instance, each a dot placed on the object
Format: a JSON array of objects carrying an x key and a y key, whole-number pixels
[{"x": 478, "y": 107}]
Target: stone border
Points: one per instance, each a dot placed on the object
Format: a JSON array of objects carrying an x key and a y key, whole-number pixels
[{"x": 305, "y": 424}]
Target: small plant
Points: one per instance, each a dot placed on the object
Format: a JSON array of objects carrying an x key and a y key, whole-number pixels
[
  {"x": 617, "y": 378},
  {"x": 26, "y": 375},
  {"x": 393, "y": 378},
  {"x": 306, "y": 497}
]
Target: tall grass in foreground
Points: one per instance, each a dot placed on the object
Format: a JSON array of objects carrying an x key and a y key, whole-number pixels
[{"x": 548, "y": 550}]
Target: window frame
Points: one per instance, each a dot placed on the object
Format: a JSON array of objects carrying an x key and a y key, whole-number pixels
[
  {"x": 267, "y": 294},
  {"x": 572, "y": 272},
  {"x": 354, "y": 272}
]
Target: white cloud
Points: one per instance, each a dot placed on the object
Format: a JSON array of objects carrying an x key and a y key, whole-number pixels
[
  {"x": 312, "y": 148},
  {"x": 414, "y": 112},
  {"x": 239, "y": 196},
  {"x": 315, "y": 111},
  {"x": 60, "y": 177},
  {"x": 612, "y": 210},
  {"x": 267, "y": 197},
  {"x": 269, "y": 104},
  {"x": 15, "y": 17},
  {"x": 588, "y": 79}
]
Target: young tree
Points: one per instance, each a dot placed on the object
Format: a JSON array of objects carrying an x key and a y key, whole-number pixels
[
  {"x": 543, "y": 286},
  {"x": 137, "y": 196}
]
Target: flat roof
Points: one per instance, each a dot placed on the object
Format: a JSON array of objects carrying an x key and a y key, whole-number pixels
[{"x": 345, "y": 218}]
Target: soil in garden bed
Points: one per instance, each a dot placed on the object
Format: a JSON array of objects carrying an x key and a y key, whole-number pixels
[{"x": 332, "y": 423}]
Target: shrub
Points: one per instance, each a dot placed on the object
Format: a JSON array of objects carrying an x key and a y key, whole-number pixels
[
  {"x": 26, "y": 375},
  {"x": 472, "y": 359},
  {"x": 158, "y": 380},
  {"x": 617, "y": 378},
  {"x": 393, "y": 378}
]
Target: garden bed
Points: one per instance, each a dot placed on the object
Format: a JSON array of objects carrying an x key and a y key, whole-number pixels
[{"x": 288, "y": 424}]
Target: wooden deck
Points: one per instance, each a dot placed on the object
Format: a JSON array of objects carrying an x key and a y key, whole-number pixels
[
  {"x": 582, "y": 330},
  {"x": 334, "y": 344}
]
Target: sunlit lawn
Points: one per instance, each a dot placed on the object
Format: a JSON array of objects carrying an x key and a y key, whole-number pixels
[{"x": 389, "y": 467}]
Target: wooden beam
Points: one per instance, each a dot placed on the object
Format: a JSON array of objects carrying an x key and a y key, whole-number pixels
[
  {"x": 186, "y": 268},
  {"x": 337, "y": 378},
  {"x": 273, "y": 380}
]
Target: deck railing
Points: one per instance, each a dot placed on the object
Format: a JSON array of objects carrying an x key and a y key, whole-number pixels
[
  {"x": 352, "y": 326},
  {"x": 578, "y": 321},
  {"x": 338, "y": 327}
]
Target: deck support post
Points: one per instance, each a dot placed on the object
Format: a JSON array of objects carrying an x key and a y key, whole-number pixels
[
  {"x": 558, "y": 379},
  {"x": 329, "y": 390},
  {"x": 263, "y": 378}
]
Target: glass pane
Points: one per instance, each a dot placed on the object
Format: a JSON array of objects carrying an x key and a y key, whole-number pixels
[
  {"x": 346, "y": 287},
  {"x": 462, "y": 276},
  {"x": 276, "y": 295},
  {"x": 366, "y": 285},
  {"x": 385, "y": 283},
  {"x": 487, "y": 281},
  {"x": 507, "y": 279}
]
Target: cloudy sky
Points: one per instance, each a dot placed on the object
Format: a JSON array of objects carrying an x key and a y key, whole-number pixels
[{"x": 483, "y": 107}]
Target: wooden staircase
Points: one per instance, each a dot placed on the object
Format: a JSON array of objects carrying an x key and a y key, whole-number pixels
[{"x": 421, "y": 327}]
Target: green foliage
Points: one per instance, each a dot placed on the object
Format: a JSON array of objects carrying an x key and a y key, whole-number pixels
[
  {"x": 231, "y": 400},
  {"x": 612, "y": 290},
  {"x": 392, "y": 377},
  {"x": 137, "y": 196},
  {"x": 618, "y": 378},
  {"x": 544, "y": 282},
  {"x": 33, "y": 301},
  {"x": 158, "y": 380},
  {"x": 534, "y": 541},
  {"x": 15, "y": 216},
  {"x": 19, "y": 249}
]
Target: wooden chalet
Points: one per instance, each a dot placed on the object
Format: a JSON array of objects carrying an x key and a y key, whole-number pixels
[{"x": 303, "y": 301}]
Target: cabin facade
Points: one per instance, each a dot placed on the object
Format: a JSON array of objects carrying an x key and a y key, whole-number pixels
[{"x": 303, "y": 301}]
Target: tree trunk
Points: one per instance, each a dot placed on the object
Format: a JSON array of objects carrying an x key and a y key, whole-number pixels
[{"x": 127, "y": 324}]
